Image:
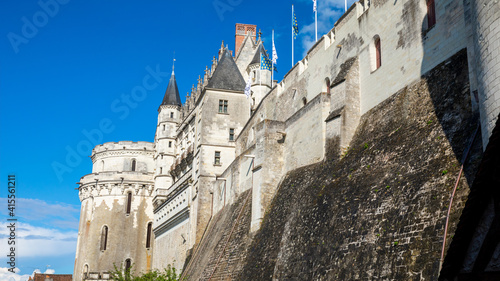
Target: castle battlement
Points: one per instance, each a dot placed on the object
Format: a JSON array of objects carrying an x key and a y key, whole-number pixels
[{"x": 124, "y": 145}]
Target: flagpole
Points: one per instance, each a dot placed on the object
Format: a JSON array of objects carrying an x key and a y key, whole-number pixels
[
  {"x": 292, "y": 34},
  {"x": 260, "y": 70},
  {"x": 272, "y": 63},
  {"x": 316, "y": 20}
]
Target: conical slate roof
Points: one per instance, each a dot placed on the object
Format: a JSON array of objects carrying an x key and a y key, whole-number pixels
[
  {"x": 172, "y": 93},
  {"x": 256, "y": 57},
  {"x": 227, "y": 75}
]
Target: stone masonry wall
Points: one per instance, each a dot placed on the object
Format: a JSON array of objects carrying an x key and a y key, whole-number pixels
[
  {"x": 214, "y": 252},
  {"x": 379, "y": 212}
]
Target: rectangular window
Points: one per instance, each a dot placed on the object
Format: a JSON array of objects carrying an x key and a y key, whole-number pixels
[
  {"x": 231, "y": 134},
  {"x": 431, "y": 13},
  {"x": 171, "y": 115},
  {"x": 217, "y": 158},
  {"x": 223, "y": 106}
]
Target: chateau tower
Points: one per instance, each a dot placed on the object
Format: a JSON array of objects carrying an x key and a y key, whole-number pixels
[
  {"x": 486, "y": 38},
  {"x": 260, "y": 79},
  {"x": 169, "y": 116},
  {"x": 117, "y": 212}
]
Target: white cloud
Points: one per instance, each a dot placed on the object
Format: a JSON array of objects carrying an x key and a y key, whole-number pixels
[
  {"x": 60, "y": 215},
  {"x": 33, "y": 241},
  {"x": 49, "y": 271},
  {"x": 6, "y": 275}
]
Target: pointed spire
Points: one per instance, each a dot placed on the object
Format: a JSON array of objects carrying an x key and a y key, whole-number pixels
[{"x": 172, "y": 93}]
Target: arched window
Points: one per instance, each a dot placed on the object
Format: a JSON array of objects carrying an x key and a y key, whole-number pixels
[
  {"x": 129, "y": 202},
  {"x": 104, "y": 238},
  {"x": 133, "y": 164},
  {"x": 148, "y": 235},
  {"x": 102, "y": 165},
  {"x": 376, "y": 53},
  {"x": 431, "y": 13},
  {"x": 85, "y": 271},
  {"x": 326, "y": 86},
  {"x": 304, "y": 100},
  {"x": 128, "y": 265}
]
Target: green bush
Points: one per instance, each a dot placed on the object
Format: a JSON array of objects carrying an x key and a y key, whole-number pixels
[{"x": 168, "y": 274}]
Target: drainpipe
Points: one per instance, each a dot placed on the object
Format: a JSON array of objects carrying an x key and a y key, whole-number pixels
[{"x": 453, "y": 195}]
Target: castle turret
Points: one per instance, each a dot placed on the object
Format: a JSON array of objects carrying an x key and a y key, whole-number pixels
[
  {"x": 260, "y": 79},
  {"x": 169, "y": 116},
  {"x": 117, "y": 211},
  {"x": 486, "y": 36}
]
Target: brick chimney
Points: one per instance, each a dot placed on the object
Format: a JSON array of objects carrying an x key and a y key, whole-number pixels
[{"x": 241, "y": 32}]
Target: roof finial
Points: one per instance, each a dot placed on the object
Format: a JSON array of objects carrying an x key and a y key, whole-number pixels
[
  {"x": 173, "y": 64},
  {"x": 260, "y": 33},
  {"x": 222, "y": 45}
]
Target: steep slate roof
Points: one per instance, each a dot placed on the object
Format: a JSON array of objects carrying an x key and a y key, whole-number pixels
[
  {"x": 227, "y": 75},
  {"x": 256, "y": 57},
  {"x": 172, "y": 93}
]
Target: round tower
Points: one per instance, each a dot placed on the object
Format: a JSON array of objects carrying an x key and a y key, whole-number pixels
[
  {"x": 169, "y": 116},
  {"x": 260, "y": 79},
  {"x": 117, "y": 211},
  {"x": 486, "y": 39}
]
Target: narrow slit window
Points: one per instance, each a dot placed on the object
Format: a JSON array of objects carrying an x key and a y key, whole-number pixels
[
  {"x": 171, "y": 115},
  {"x": 378, "y": 53},
  {"x": 133, "y": 164},
  {"x": 104, "y": 238},
  {"x": 148, "y": 235},
  {"x": 169, "y": 144},
  {"x": 129, "y": 202}
]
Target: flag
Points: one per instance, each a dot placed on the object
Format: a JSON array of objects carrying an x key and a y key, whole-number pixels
[
  {"x": 265, "y": 63},
  {"x": 314, "y": 7},
  {"x": 295, "y": 26},
  {"x": 247, "y": 87},
  {"x": 275, "y": 54}
]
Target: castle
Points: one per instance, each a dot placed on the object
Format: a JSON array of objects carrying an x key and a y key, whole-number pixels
[{"x": 148, "y": 205}]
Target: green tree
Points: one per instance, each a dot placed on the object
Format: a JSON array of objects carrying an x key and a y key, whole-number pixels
[{"x": 168, "y": 274}]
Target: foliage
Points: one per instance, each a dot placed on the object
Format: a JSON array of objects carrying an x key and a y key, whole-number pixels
[{"x": 168, "y": 274}]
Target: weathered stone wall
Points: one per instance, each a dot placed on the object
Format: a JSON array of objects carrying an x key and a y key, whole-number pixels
[
  {"x": 223, "y": 248},
  {"x": 379, "y": 212}
]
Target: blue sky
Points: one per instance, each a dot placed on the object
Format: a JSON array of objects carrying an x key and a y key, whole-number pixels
[{"x": 65, "y": 68}]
